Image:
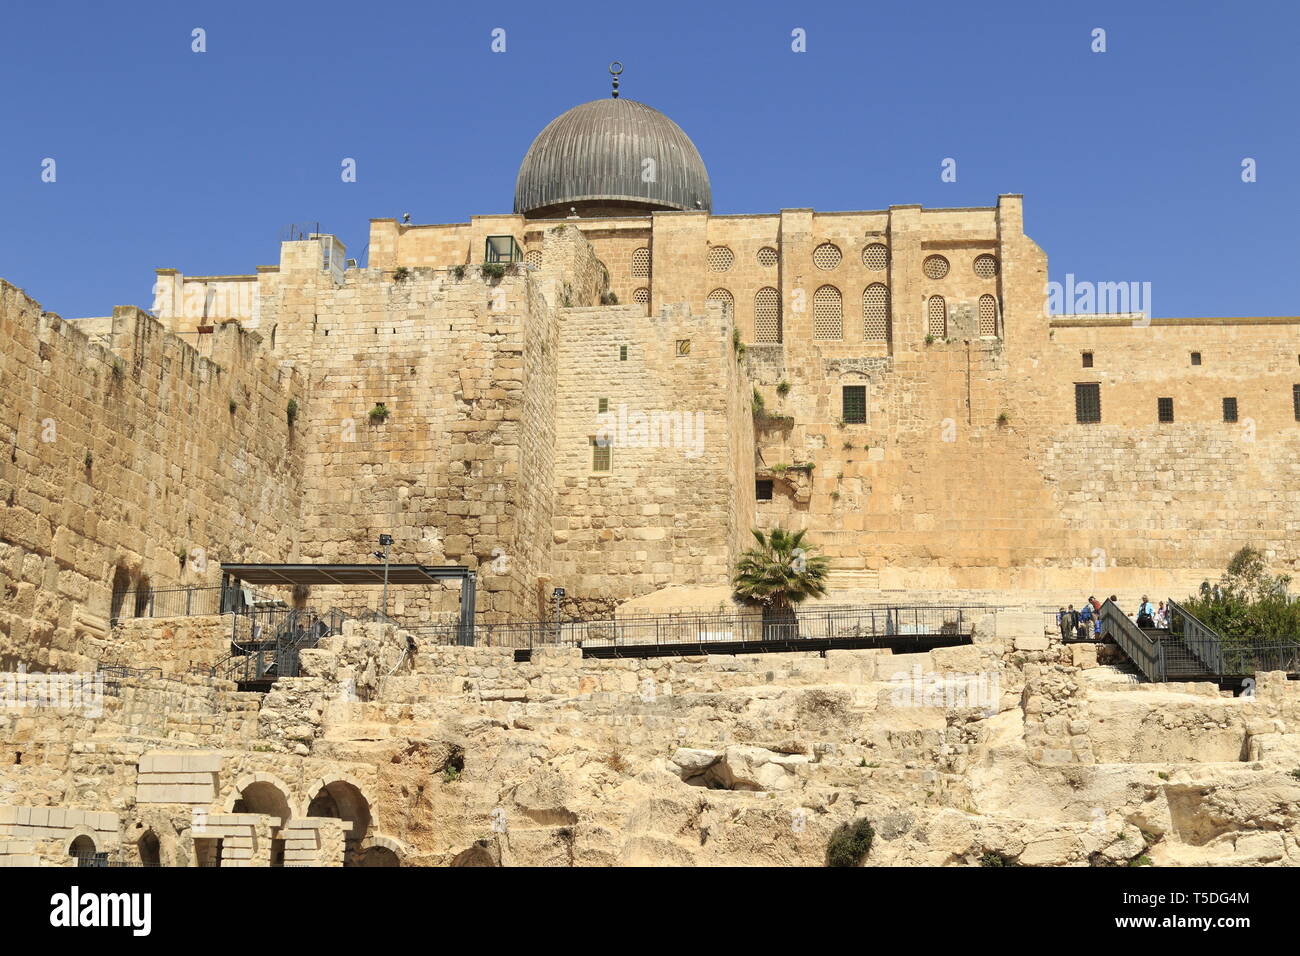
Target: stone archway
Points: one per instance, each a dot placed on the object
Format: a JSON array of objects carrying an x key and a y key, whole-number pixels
[
  {"x": 268, "y": 795},
  {"x": 343, "y": 799}
]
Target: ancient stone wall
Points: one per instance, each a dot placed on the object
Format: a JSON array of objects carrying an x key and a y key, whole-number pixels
[{"x": 146, "y": 464}]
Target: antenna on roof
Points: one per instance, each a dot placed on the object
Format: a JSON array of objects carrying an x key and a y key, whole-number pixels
[{"x": 615, "y": 69}]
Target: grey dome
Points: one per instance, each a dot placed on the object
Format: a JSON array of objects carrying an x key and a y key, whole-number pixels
[{"x": 593, "y": 156}]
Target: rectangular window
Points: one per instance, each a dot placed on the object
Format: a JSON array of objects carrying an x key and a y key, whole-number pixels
[
  {"x": 599, "y": 455},
  {"x": 622, "y": 353},
  {"x": 1165, "y": 409},
  {"x": 1087, "y": 403},
  {"x": 763, "y": 489},
  {"x": 1229, "y": 409},
  {"x": 1295, "y": 400},
  {"x": 855, "y": 404},
  {"x": 683, "y": 348},
  {"x": 1087, "y": 360},
  {"x": 1196, "y": 358},
  {"x": 602, "y": 405}
]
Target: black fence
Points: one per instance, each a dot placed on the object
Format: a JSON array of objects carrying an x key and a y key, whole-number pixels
[
  {"x": 188, "y": 602},
  {"x": 842, "y": 623}
]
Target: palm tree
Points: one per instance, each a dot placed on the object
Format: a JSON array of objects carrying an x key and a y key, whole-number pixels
[{"x": 777, "y": 574}]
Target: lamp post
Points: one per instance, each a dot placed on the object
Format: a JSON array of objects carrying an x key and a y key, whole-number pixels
[{"x": 386, "y": 542}]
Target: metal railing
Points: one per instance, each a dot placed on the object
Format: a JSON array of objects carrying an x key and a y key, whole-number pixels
[
  {"x": 1147, "y": 655},
  {"x": 1244, "y": 660},
  {"x": 1202, "y": 642},
  {"x": 187, "y": 602},
  {"x": 840, "y": 623},
  {"x": 275, "y": 638}
]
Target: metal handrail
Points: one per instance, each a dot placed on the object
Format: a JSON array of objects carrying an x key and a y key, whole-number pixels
[
  {"x": 1147, "y": 655},
  {"x": 1203, "y": 642}
]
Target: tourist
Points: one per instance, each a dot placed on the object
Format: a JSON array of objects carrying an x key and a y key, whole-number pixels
[
  {"x": 1085, "y": 622},
  {"x": 1162, "y": 615},
  {"x": 1146, "y": 614},
  {"x": 1071, "y": 623},
  {"x": 1096, "y": 605},
  {"x": 1063, "y": 623}
]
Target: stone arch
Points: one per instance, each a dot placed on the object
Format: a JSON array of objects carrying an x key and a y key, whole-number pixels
[
  {"x": 83, "y": 848},
  {"x": 382, "y": 851},
  {"x": 344, "y": 798},
  {"x": 149, "y": 848},
  {"x": 119, "y": 589},
  {"x": 143, "y": 596},
  {"x": 262, "y": 793}
]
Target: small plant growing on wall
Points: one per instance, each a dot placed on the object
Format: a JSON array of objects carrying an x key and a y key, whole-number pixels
[
  {"x": 457, "y": 272},
  {"x": 379, "y": 414},
  {"x": 736, "y": 344},
  {"x": 759, "y": 403},
  {"x": 608, "y": 298},
  {"x": 566, "y": 296},
  {"x": 88, "y": 459},
  {"x": 233, "y": 406},
  {"x": 119, "y": 369},
  {"x": 848, "y": 446},
  {"x": 929, "y": 340},
  {"x": 401, "y": 274},
  {"x": 783, "y": 388},
  {"x": 492, "y": 270},
  {"x": 1003, "y": 419},
  {"x": 292, "y": 411},
  {"x": 182, "y": 555}
]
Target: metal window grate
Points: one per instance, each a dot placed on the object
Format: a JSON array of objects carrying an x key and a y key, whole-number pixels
[
  {"x": 854, "y": 403},
  {"x": 622, "y": 353},
  {"x": 1229, "y": 409},
  {"x": 1087, "y": 403},
  {"x": 1196, "y": 358},
  {"x": 1295, "y": 400},
  {"x": 600, "y": 457},
  {"x": 602, "y": 405},
  {"x": 1165, "y": 409},
  {"x": 1087, "y": 360},
  {"x": 763, "y": 489}
]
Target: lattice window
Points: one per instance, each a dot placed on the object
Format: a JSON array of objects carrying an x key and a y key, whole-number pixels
[
  {"x": 827, "y": 256},
  {"x": 1087, "y": 403},
  {"x": 1295, "y": 400},
  {"x": 935, "y": 267},
  {"x": 1229, "y": 409},
  {"x": 720, "y": 259},
  {"x": 828, "y": 313},
  {"x": 641, "y": 295},
  {"x": 533, "y": 258},
  {"x": 723, "y": 296},
  {"x": 937, "y": 317},
  {"x": 600, "y": 454},
  {"x": 767, "y": 257},
  {"x": 767, "y": 316},
  {"x": 986, "y": 266},
  {"x": 875, "y": 313},
  {"x": 988, "y": 315},
  {"x": 876, "y": 257},
  {"x": 763, "y": 489},
  {"x": 641, "y": 263},
  {"x": 1165, "y": 409}
]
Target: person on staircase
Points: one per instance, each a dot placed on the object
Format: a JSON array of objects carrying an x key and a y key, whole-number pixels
[
  {"x": 1085, "y": 622},
  {"x": 1146, "y": 614},
  {"x": 1162, "y": 615}
]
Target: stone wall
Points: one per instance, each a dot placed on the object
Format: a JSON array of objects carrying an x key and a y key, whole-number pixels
[{"x": 144, "y": 463}]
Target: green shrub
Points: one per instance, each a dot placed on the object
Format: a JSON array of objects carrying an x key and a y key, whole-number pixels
[
  {"x": 783, "y": 388},
  {"x": 996, "y": 859},
  {"x": 759, "y": 404},
  {"x": 850, "y": 843},
  {"x": 401, "y": 274},
  {"x": 379, "y": 413},
  {"x": 292, "y": 411},
  {"x": 457, "y": 272},
  {"x": 492, "y": 270}
]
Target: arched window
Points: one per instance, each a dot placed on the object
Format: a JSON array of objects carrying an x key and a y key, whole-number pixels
[
  {"x": 937, "y": 315},
  {"x": 988, "y": 315},
  {"x": 641, "y": 263},
  {"x": 875, "y": 313},
  {"x": 723, "y": 296},
  {"x": 828, "y": 313},
  {"x": 767, "y": 315}
]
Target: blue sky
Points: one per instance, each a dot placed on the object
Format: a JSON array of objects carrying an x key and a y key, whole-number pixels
[{"x": 1129, "y": 160}]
